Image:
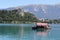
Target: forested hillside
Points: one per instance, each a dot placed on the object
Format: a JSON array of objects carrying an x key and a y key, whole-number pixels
[{"x": 13, "y": 16}]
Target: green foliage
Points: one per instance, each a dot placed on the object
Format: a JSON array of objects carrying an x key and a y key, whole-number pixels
[{"x": 12, "y": 15}]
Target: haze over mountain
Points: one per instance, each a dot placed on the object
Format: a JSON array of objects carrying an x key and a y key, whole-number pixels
[{"x": 42, "y": 11}]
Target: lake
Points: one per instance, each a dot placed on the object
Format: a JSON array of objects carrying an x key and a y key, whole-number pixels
[{"x": 25, "y": 32}]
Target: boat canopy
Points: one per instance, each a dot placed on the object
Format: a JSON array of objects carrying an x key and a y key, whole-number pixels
[{"x": 41, "y": 24}]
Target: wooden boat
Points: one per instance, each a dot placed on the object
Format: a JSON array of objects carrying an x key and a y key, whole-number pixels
[{"x": 41, "y": 26}]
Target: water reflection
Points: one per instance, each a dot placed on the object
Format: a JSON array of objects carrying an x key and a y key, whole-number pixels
[
  {"x": 7, "y": 30},
  {"x": 26, "y": 33},
  {"x": 21, "y": 33},
  {"x": 42, "y": 32}
]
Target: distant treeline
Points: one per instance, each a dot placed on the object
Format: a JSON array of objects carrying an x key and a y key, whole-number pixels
[
  {"x": 54, "y": 21},
  {"x": 13, "y": 16}
]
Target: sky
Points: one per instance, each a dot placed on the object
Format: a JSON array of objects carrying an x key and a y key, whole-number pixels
[{"x": 14, "y": 3}]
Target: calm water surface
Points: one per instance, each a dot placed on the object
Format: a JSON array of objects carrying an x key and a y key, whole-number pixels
[{"x": 25, "y": 32}]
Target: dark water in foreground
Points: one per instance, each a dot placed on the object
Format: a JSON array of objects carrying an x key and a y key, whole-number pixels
[{"x": 25, "y": 32}]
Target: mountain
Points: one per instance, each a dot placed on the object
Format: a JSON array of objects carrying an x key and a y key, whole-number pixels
[{"x": 42, "y": 11}]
